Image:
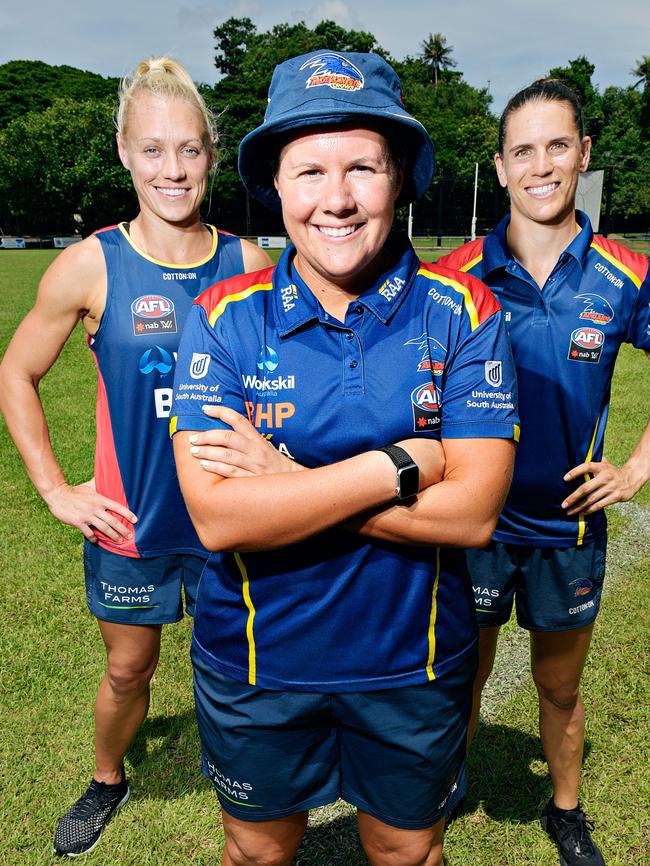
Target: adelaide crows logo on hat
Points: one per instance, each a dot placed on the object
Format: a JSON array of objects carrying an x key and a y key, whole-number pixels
[{"x": 333, "y": 71}]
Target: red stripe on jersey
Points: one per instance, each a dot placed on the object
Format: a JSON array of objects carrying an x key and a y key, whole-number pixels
[
  {"x": 457, "y": 259},
  {"x": 635, "y": 262},
  {"x": 105, "y": 229},
  {"x": 108, "y": 479},
  {"x": 482, "y": 298},
  {"x": 210, "y": 298}
]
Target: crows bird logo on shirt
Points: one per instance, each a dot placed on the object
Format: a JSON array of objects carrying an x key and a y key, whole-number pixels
[
  {"x": 582, "y": 586},
  {"x": 433, "y": 353},
  {"x": 596, "y": 309}
]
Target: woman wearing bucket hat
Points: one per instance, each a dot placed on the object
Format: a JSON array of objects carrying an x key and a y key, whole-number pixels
[{"x": 334, "y": 641}]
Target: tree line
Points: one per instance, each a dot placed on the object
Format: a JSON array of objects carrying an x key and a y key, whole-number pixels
[{"x": 59, "y": 169}]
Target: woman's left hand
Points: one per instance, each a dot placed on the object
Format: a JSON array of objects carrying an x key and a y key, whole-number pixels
[{"x": 237, "y": 452}]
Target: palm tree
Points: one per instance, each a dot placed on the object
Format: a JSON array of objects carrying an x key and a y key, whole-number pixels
[
  {"x": 642, "y": 72},
  {"x": 437, "y": 54}
]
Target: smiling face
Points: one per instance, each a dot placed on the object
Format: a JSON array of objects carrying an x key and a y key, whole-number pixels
[
  {"x": 338, "y": 189},
  {"x": 164, "y": 148},
  {"x": 542, "y": 157}
]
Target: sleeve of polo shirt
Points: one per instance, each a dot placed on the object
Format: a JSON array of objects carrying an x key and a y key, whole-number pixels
[
  {"x": 639, "y": 328},
  {"x": 205, "y": 373},
  {"x": 480, "y": 390}
]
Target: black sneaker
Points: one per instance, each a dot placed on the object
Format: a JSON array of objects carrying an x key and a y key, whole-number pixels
[
  {"x": 81, "y": 827},
  {"x": 571, "y": 834}
]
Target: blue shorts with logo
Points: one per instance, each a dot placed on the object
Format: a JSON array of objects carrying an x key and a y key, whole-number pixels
[
  {"x": 146, "y": 591},
  {"x": 397, "y": 754},
  {"x": 554, "y": 589}
]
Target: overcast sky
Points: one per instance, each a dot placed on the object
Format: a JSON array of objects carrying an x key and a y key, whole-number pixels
[{"x": 506, "y": 43}]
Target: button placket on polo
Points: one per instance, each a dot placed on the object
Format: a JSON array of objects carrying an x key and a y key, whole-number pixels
[
  {"x": 352, "y": 351},
  {"x": 540, "y": 311}
]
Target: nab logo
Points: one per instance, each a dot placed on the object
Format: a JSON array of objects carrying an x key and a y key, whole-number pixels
[{"x": 155, "y": 358}]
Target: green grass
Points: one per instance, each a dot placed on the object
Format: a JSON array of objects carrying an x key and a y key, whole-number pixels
[{"x": 51, "y": 660}]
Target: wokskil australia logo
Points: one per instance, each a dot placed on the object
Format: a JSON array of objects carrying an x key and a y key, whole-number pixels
[
  {"x": 267, "y": 362},
  {"x": 425, "y": 400},
  {"x": 153, "y": 314},
  {"x": 596, "y": 309},
  {"x": 155, "y": 358},
  {"x": 586, "y": 345},
  {"x": 332, "y": 70},
  {"x": 432, "y": 354}
]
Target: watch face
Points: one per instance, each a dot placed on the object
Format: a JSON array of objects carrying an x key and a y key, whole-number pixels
[{"x": 408, "y": 481}]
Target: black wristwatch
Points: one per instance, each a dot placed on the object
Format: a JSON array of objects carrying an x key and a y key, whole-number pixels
[{"x": 408, "y": 474}]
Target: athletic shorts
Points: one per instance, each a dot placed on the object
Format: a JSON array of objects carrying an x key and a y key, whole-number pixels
[
  {"x": 397, "y": 754},
  {"x": 143, "y": 591},
  {"x": 554, "y": 589}
]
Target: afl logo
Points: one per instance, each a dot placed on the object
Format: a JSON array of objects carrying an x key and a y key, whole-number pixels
[
  {"x": 153, "y": 314},
  {"x": 425, "y": 401},
  {"x": 586, "y": 345},
  {"x": 426, "y": 397},
  {"x": 152, "y": 307},
  {"x": 588, "y": 338}
]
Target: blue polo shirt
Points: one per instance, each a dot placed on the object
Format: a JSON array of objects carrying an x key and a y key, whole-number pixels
[
  {"x": 421, "y": 352},
  {"x": 565, "y": 339}
]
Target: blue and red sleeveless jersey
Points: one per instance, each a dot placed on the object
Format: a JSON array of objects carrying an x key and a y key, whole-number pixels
[
  {"x": 565, "y": 338},
  {"x": 135, "y": 349},
  {"x": 421, "y": 352}
]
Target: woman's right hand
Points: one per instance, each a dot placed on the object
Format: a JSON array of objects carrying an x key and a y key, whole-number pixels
[
  {"x": 238, "y": 452},
  {"x": 429, "y": 456},
  {"x": 82, "y": 507}
]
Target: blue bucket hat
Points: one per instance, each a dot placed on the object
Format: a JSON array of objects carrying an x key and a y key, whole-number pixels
[{"x": 331, "y": 87}]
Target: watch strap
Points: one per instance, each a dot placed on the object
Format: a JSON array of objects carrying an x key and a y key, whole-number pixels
[{"x": 399, "y": 456}]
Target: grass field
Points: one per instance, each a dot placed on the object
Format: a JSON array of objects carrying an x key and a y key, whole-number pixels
[{"x": 51, "y": 660}]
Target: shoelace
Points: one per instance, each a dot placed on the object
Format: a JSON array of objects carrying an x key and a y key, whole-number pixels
[
  {"x": 88, "y": 804},
  {"x": 578, "y": 833}
]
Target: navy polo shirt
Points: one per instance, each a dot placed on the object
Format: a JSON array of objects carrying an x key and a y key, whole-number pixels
[
  {"x": 423, "y": 351},
  {"x": 565, "y": 338}
]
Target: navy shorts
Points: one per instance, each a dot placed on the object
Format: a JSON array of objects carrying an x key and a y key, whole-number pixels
[
  {"x": 554, "y": 589},
  {"x": 397, "y": 754},
  {"x": 142, "y": 591}
]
